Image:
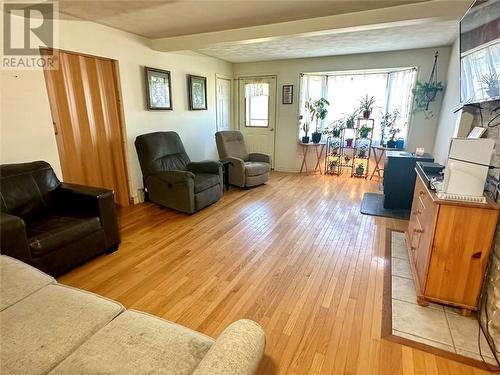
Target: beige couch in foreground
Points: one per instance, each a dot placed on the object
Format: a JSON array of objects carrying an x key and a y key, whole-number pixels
[{"x": 46, "y": 327}]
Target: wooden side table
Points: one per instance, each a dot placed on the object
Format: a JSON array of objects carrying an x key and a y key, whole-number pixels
[
  {"x": 378, "y": 158},
  {"x": 319, "y": 147}
]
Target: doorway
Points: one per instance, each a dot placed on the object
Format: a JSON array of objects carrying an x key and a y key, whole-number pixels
[
  {"x": 223, "y": 100},
  {"x": 85, "y": 101},
  {"x": 257, "y": 113}
]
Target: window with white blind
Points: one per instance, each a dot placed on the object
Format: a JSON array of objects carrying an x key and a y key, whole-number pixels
[{"x": 391, "y": 90}]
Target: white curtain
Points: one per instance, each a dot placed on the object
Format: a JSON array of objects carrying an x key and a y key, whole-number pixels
[{"x": 391, "y": 90}]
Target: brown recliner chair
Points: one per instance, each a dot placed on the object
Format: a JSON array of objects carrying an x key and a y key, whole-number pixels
[
  {"x": 171, "y": 179},
  {"x": 51, "y": 225},
  {"x": 246, "y": 169}
]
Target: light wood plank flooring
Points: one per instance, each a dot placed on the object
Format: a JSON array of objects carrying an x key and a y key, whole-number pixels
[{"x": 295, "y": 255}]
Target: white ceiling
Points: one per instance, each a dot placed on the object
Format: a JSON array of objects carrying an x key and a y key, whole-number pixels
[
  {"x": 420, "y": 35},
  {"x": 167, "y": 18}
]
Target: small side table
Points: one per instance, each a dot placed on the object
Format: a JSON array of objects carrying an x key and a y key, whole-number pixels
[
  {"x": 225, "y": 165},
  {"x": 378, "y": 158},
  {"x": 319, "y": 147}
]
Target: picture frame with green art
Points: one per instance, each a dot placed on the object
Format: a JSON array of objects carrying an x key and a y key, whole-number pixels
[
  {"x": 158, "y": 89},
  {"x": 197, "y": 88}
]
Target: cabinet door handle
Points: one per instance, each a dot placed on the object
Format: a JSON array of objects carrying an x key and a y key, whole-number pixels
[
  {"x": 417, "y": 212},
  {"x": 418, "y": 230},
  {"x": 413, "y": 248},
  {"x": 421, "y": 192}
]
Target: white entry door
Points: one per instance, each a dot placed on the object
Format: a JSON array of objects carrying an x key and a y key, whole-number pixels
[
  {"x": 257, "y": 109},
  {"x": 223, "y": 97}
]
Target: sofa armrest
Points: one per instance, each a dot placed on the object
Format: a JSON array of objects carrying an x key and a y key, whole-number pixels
[
  {"x": 98, "y": 201},
  {"x": 236, "y": 171},
  {"x": 13, "y": 239},
  {"x": 237, "y": 351},
  {"x": 207, "y": 166},
  {"x": 257, "y": 156}
]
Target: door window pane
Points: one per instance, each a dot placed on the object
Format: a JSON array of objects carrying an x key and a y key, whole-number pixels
[{"x": 257, "y": 104}]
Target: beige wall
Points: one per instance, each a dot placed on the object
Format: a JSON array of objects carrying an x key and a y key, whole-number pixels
[
  {"x": 448, "y": 121},
  {"x": 422, "y": 131},
  {"x": 26, "y": 123}
]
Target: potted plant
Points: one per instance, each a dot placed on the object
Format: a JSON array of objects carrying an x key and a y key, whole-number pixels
[
  {"x": 305, "y": 128},
  {"x": 362, "y": 152},
  {"x": 350, "y": 120},
  {"x": 492, "y": 82},
  {"x": 425, "y": 93},
  {"x": 366, "y": 106},
  {"x": 317, "y": 111},
  {"x": 364, "y": 131},
  {"x": 348, "y": 142},
  {"x": 360, "y": 169},
  {"x": 389, "y": 121},
  {"x": 335, "y": 128}
]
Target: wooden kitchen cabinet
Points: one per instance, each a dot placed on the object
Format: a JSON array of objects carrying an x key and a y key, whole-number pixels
[{"x": 449, "y": 244}]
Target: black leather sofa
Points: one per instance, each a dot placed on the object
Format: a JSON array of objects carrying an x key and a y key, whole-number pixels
[{"x": 51, "y": 225}]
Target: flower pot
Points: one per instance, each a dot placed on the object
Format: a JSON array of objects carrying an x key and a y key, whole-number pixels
[
  {"x": 493, "y": 92},
  {"x": 336, "y": 133},
  {"x": 367, "y": 114},
  {"x": 316, "y": 137},
  {"x": 305, "y": 139},
  {"x": 391, "y": 143},
  {"x": 400, "y": 143},
  {"x": 360, "y": 170},
  {"x": 348, "y": 142}
]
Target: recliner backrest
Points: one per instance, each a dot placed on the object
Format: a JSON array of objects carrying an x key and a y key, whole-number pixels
[
  {"x": 160, "y": 151},
  {"x": 230, "y": 143},
  {"x": 25, "y": 188}
]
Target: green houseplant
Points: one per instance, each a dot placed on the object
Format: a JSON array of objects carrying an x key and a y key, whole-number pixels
[
  {"x": 350, "y": 120},
  {"x": 360, "y": 169},
  {"x": 424, "y": 93},
  {"x": 305, "y": 128},
  {"x": 363, "y": 152},
  {"x": 366, "y": 106},
  {"x": 492, "y": 82},
  {"x": 317, "y": 111},
  {"x": 364, "y": 131},
  {"x": 389, "y": 121}
]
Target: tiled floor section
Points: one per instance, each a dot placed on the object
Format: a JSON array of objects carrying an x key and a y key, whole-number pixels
[{"x": 437, "y": 326}]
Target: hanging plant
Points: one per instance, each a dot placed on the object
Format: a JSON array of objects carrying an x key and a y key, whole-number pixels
[{"x": 425, "y": 93}]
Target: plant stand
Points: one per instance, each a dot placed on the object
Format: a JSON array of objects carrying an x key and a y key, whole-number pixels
[{"x": 362, "y": 147}]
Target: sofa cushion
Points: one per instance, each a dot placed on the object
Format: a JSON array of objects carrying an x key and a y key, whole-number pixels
[
  {"x": 203, "y": 181},
  {"x": 52, "y": 232},
  {"x": 41, "y": 330},
  {"x": 18, "y": 280},
  {"x": 254, "y": 168},
  {"x": 138, "y": 343}
]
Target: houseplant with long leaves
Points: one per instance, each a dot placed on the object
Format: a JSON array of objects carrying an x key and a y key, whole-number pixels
[{"x": 317, "y": 112}]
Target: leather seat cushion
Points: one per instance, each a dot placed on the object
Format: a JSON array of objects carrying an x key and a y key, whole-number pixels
[
  {"x": 204, "y": 181},
  {"x": 254, "y": 168},
  {"x": 51, "y": 232}
]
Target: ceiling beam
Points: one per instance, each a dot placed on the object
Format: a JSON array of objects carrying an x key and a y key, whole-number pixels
[{"x": 366, "y": 20}]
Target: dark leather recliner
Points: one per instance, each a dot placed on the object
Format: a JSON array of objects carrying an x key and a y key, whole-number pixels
[
  {"x": 171, "y": 179},
  {"x": 51, "y": 225}
]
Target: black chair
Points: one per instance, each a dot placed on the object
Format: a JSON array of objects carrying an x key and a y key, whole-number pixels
[
  {"x": 171, "y": 179},
  {"x": 51, "y": 225}
]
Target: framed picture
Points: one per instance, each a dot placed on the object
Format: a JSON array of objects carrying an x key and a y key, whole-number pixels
[
  {"x": 287, "y": 94},
  {"x": 197, "y": 92},
  {"x": 158, "y": 89}
]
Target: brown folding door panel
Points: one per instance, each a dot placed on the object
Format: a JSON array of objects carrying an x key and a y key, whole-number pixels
[{"x": 84, "y": 97}]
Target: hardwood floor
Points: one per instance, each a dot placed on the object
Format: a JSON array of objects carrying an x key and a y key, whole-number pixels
[{"x": 295, "y": 255}]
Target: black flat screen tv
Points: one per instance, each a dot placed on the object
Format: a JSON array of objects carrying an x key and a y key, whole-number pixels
[{"x": 480, "y": 52}]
